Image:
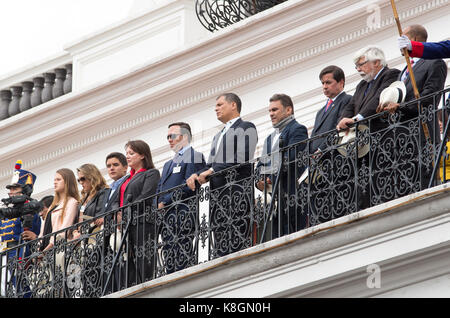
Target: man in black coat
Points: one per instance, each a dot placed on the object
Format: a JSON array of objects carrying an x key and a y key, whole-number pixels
[
  {"x": 327, "y": 193},
  {"x": 229, "y": 174},
  {"x": 333, "y": 82},
  {"x": 372, "y": 66},
  {"x": 287, "y": 133},
  {"x": 370, "y": 62}
]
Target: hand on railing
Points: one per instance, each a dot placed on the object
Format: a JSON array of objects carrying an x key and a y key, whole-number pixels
[
  {"x": 345, "y": 124},
  {"x": 197, "y": 180},
  {"x": 390, "y": 107}
]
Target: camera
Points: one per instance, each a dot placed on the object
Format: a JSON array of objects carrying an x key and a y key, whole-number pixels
[{"x": 21, "y": 206}]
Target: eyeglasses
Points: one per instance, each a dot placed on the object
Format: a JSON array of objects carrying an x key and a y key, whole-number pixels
[
  {"x": 82, "y": 179},
  {"x": 172, "y": 136},
  {"x": 358, "y": 65}
]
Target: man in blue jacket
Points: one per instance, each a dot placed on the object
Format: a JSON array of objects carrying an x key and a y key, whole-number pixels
[
  {"x": 174, "y": 198},
  {"x": 427, "y": 51}
]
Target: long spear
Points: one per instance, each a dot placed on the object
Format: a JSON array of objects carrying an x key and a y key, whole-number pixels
[{"x": 410, "y": 70}]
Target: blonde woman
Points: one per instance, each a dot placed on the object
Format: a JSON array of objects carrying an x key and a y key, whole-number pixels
[
  {"x": 94, "y": 193},
  {"x": 63, "y": 212}
]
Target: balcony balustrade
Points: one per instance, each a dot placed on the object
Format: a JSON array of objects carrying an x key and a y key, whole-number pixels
[
  {"x": 389, "y": 157},
  {"x": 31, "y": 93},
  {"x": 217, "y": 14}
]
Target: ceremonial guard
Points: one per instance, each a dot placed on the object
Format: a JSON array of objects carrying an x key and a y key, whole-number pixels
[{"x": 12, "y": 230}]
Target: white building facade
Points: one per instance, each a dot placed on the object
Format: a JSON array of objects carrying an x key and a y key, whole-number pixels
[{"x": 134, "y": 78}]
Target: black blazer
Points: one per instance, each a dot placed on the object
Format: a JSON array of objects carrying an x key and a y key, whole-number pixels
[
  {"x": 141, "y": 186},
  {"x": 327, "y": 121},
  {"x": 366, "y": 103},
  {"x": 238, "y": 146},
  {"x": 97, "y": 204}
]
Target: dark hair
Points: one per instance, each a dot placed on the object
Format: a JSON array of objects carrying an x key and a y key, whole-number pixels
[
  {"x": 47, "y": 200},
  {"x": 338, "y": 73},
  {"x": 232, "y": 97},
  {"x": 120, "y": 156},
  {"x": 285, "y": 100},
  {"x": 142, "y": 148},
  {"x": 418, "y": 31},
  {"x": 185, "y": 129}
]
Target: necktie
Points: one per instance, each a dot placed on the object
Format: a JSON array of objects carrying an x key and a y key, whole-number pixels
[
  {"x": 405, "y": 76},
  {"x": 330, "y": 101}
]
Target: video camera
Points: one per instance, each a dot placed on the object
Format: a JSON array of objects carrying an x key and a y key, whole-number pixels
[{"x": 21, "y": 206}]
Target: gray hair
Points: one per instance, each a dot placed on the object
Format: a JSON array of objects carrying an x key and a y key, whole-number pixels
[{"x": 371, "y": 53}]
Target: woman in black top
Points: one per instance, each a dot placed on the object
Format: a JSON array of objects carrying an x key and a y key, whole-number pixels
[{"x": 139, "y": 186}]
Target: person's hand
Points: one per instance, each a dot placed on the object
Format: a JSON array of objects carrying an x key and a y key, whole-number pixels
[
  {"x": 28, "y": 235},
  {"x": 191, "y": 181},
  {"x": 76, "y": 234},
  {"x": 344, "y": 123},
  {"x": 390, "y": 107},
  {"x": 161, "y": 205},
  {"x": 203, "y": 177},
  {"x": 99, "y": 222},
  {"x": 260, "y": 184},
  {"x": 404, "y": 42}
]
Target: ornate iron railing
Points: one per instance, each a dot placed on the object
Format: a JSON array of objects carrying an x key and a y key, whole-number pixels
[
  {"x": 218, "y": 14},
  {"x": 390, "y": 157}
]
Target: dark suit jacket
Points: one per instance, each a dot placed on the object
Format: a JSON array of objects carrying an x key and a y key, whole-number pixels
[
  {"x": 97, "y": 204},
  {"x": 326, "y": 121},
  {"x": 238, "y": 146},
  {"x": 189, "y": 163},
  {"x": 141, "y": 186},
  {"x": 292, "y": 134},
  {"x": 430, "y": 78},
  {"x": 366, "y": 104}
]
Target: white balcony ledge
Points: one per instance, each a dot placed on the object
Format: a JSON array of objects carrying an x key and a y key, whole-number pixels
[{"x": 406, "y": 238}]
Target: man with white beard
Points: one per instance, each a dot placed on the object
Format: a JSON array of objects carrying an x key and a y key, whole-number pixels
[{"x": 371, "y": 64}]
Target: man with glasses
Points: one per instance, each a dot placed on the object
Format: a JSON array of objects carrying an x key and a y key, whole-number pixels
[
  {"x": 180, "y": 213},
  {"x": 371, "y": 64}
]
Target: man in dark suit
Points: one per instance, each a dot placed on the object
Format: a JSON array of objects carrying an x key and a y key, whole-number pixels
[
  {"x": 370, "y": 62},
  {"x": 326, "y": 192},
  {"x": 372, "y": 66},
  {"x": 287, "y": 133},
  {"x": 179, "y": 214},
  {"x": 430, "y": 76},
  {"x": 333, "y": 82},
  {"x": 229, "y": 175}
]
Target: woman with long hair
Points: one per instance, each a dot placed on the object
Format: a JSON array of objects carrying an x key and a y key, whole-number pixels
[
  {"x": 140, "y": 184},
  {"x": 94, "y": 192},
  {"x": 63, "y": 211}
]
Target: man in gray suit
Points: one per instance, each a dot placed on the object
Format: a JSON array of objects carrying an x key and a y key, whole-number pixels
[{"x": 333, "y": 82}]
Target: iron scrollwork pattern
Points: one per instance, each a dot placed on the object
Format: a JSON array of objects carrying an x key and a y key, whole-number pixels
[
  {"x": 218, "y": 14},
  {"x": 140, "y": 242}
]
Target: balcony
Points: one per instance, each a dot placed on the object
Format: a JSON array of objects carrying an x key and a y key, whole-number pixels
[
  {"x": 126, "y": 85},
  {"x": 383, "y": 175},
  {"x": 218, "y": 14}
]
